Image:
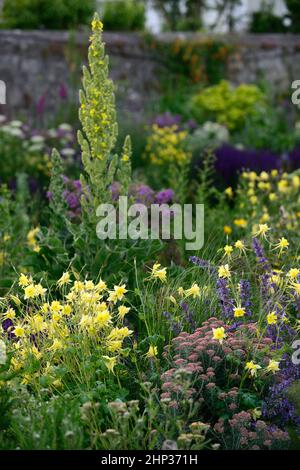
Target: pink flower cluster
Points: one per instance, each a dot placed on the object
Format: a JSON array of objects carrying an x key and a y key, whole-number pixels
[
  {"x": 243, "y": 433},
  {"x": 208, "y": 376}
]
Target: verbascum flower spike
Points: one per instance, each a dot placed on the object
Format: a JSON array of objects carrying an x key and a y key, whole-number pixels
[{"x": 100, "y": 129}]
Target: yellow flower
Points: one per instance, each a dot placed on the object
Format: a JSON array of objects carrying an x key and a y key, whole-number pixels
[
  {"x": 224, "y": 271},
  {"x": 219, "y": 334},
  {"x": 66, "y": 310},
  {"x": 239, "y": 312},
  {"x": 39, "y": 290},
  {"x": 272, "y": 318},
  {"x": 252, "y": 368},
  {"x": 159, "y": 273},
  {"x": 97, "y": 25},
  {"x": 57, "y": 345},
  {"x": 229, "y": 192},
  {"x": 273, "y": 366},
  {"x": 152, "y": 352},
  {"x": 110, "y": 362},
  {"x": 101, "y": 286},
  {"x": 282, "y": 245},
  {"x": 242, "y": 223},
  {"x": 293, "y": 273},
  {"x": 193, "y": 291},
  {"x": 102, "y": 318},
  {"x": 296, "y": 287},
  {"x": 227, "y": 230},
  {"x": 23, "y": 280},
  {"x": 262, "y": 230},
  {"x": 37, "y": 323},
  {"x": 240, "y": 245},
  {"x": 256, "y": 413},
  {"x": 89, "y": 285},
  {"x": 19, "y": 331},
  {"x": 118, "y": 293},
  {"x": 55, "y": 306},
  {"x": 10, "y": 314},
  {"x": 228, "y": 249},
  {"x": 29, "y": 292},
  {"x": 180, "y": 291},
  {"x": 122, "y": 310},
  {"x": 64, "y": 279}
]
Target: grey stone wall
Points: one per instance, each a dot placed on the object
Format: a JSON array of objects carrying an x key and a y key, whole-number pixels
[{"x": 35, "y": 64}]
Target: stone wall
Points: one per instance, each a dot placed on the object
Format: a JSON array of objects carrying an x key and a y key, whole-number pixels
[{"x": 36, "y": 64}]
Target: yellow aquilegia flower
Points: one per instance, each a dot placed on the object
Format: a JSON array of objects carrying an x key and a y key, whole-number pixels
[
  {"x": 158, "y": 273},
  {"x": 252, "y": 368},
  {"x": 272, "y": 318},
  {"x": 152, "y": 352},
  {"x": 273, "y": 366},
  {"x": 239, "y": 312},
  {"x": 224, "y": 272},
  {"x": 193, "y": 291},
  {"x": 219, "y": 334}
]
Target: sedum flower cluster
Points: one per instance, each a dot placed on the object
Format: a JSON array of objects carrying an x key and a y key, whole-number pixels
[{"x": 208, "y": 376}]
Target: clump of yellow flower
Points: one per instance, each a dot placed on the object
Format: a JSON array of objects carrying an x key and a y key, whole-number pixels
[
  {"x": 86, "y": 320},
  {"x": 167, "y": 145}
]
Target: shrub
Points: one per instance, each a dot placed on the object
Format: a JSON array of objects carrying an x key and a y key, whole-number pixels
[
  {"x": 124, "y": 15},
  {"x": 49, "y": 14},
  {"x": 227, "y": 105}
]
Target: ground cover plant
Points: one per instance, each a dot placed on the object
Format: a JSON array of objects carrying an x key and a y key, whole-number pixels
[{"x": 140, "y": 344}]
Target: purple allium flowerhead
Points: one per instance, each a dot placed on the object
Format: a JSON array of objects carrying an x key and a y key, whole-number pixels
[
  {"x": 165, "y": 196},
  {"x": 49, "y": 195}
]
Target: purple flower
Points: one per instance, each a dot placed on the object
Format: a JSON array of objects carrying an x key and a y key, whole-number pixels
[
  {"x": 63, "y": 92},
  {"x": 245, "y": 294},
  {"x": 202, "y": 263},
  {"x": 167, "y": 120},
  {"x": 165, "y": 196},
  {"x": 226, "y": 302},
  {"x": 260, "y": 255},
  {"x": 40, "y": 107}
]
